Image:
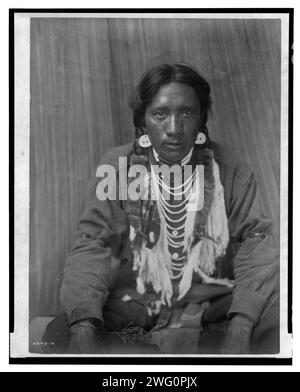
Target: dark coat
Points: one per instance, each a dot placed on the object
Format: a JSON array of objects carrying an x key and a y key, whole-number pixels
[{"x": 103, "y": 230}]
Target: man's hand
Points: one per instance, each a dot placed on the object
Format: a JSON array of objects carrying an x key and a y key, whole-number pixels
[
  {"x": 238, "y": 335},
  {"x": 83, "y": 338}
]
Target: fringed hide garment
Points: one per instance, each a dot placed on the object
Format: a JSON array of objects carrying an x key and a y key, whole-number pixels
[{"x": 206, "y": 233}]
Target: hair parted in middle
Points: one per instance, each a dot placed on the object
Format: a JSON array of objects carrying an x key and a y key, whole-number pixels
[{"x": 162, "y": 75}]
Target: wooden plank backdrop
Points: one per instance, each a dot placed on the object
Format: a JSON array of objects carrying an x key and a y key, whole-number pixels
[{"x": 82, "y": 72}]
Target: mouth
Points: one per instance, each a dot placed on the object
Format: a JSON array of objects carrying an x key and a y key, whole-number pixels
[{"x": 174, "y": 144}]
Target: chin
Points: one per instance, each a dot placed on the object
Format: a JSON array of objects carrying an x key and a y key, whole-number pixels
[{"x": 174, "y": 157}]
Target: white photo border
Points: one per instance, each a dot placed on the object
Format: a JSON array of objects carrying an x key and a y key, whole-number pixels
[{"x": 19, "y": 338}]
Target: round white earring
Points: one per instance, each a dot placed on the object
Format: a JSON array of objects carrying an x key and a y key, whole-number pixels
[
  {"x": 144, "y": 141},
  {"x": 201, "y": 138}
]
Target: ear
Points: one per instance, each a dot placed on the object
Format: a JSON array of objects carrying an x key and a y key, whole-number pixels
[
  {"x": 139, "y": 132},
  {"x": 143, "y": 130},
  {"x": 205, "y": 130}
]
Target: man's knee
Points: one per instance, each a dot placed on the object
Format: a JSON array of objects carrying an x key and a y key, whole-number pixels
[{"x": 125, "y": 308}]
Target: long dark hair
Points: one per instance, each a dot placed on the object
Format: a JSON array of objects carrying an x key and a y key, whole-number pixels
[{"x": 161, "y": 75}]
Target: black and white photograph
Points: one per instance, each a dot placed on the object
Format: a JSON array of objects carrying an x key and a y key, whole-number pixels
[{"x": 151, "y": 174}]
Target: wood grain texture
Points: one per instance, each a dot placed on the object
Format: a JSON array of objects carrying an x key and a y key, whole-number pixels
[{"x": 82, "y": 72}]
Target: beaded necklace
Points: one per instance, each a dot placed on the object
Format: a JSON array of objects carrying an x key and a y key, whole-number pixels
[
  {"x": 174, "y": 216},
  {"x": 201, "y": 237}
]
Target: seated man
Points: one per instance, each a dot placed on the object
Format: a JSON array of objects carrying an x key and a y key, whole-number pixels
[{"x": 179, "y": 270}]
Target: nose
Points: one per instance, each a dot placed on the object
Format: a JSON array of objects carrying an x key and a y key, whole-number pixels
[{"x": 174, "y": 126}]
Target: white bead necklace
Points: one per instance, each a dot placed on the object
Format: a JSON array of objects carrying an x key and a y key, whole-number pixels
[
  {"x": 183, "y": 161},
  {"x": 186, "y": 186},
  {"x": 169, "y": 212}
]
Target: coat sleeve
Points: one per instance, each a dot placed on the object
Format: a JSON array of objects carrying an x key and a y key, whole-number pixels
[
  {"x": 256, "y": 264},
  {"x": 87, "y": 272}
]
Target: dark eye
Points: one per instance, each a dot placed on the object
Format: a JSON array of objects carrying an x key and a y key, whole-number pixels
[
  {"x": 159, "y": 115},
  {"x": 186, "y": 112}
]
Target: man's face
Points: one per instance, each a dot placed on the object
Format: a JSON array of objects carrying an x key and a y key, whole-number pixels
[{"x": 172, "y": 121}]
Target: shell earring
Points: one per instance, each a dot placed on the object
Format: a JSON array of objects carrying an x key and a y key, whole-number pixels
[
  {"x": 144, "y": 141},
  {"x": 201, "y": 138}
]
